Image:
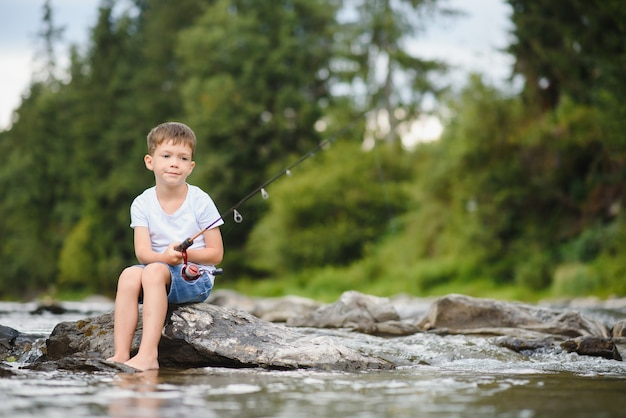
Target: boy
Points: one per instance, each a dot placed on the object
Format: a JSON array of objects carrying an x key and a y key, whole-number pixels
[{"x": 162, "y": 216}]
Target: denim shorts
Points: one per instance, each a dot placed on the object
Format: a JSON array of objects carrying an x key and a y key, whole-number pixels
[{"x": 181, "y": 291}]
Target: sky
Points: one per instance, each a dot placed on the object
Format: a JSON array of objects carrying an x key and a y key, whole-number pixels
[{"x": 470, "y": 43}]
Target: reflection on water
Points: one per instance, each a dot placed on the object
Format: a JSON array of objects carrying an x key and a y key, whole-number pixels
[
  {"x": 452, "y": 376},
  {"x": 140, "y": 400}
]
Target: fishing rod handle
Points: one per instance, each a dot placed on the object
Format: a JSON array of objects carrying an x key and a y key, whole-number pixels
[{"x": 184, "y": 245}]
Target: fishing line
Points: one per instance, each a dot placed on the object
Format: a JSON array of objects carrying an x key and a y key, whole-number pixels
[{"x": 237, "y": 217}]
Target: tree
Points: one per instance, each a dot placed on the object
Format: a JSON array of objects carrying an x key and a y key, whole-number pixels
[
  {"x": 31, "y": 177},
  {"x": 129, "y": 78},
  {"x": 331, "y": 211},
  {"x": 256, "y": 76},
  {"x": 573, "y": 48},
  {"x": 573, "y": 53},
  {"x": 51, "y": 35},
  {"x": 374, "y": 59}
]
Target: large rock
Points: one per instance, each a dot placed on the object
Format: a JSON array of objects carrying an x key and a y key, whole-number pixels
[
  {"x": 464, "y": 314},
  {"x": 207, "y": 335},
  {"x": 356, "y": 311},
  {"x": 204, "y": 334}
]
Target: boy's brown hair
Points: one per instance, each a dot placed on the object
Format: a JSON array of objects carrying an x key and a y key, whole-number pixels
[{"x": 171, "y": 131}]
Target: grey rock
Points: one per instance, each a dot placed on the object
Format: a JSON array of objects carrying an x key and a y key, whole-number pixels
[
  {"x": 202, "y": 334},
  {"x": 460, "y": 313},
  {"x": 363, "y": 313},
  {"x": 593, "y": 346},
  {"x": 19, "y": 346},
  {"x": 619, "y": 329}
]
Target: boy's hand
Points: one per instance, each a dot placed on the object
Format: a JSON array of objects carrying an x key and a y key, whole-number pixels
[{"x": 171, "y": 256}]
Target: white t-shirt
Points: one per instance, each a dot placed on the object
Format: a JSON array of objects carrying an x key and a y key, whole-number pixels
[{"x": 195, "y": 214}]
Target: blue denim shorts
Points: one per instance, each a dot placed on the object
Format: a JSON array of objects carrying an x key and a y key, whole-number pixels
[{"x": 181, "y": 291}]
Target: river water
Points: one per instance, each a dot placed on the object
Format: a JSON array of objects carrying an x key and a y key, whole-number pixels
[{"x": 438, "y": 376}]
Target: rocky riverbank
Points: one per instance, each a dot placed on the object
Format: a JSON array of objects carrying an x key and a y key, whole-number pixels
[{"x": 232, "y": 330}]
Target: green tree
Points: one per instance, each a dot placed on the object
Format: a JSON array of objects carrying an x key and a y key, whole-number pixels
[
  {"x": 256, "y": 77},
  {"x": 571, "y": 56},
  {"x": 32, "y": 178},
  {"x": 569, "y": 48},
  {"x": 374, "y": 59},
  {"x": 331, "y": 211},
  {"x": 130, "y": 79}
]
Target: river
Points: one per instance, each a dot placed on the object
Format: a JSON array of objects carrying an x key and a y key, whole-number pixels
[{"x": 438, "y": 376}]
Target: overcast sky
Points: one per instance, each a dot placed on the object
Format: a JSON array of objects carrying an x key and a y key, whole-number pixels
[{"x": 471, "y": 42}]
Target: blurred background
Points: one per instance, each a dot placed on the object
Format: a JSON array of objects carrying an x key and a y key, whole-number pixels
[{"x": 475, "y": 146}]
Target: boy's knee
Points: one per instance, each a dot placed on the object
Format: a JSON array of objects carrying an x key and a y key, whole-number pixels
[
  {"x": 130, "y": 273},
  {"x": 130, "y": 276},
  {"x": 156, "y": 273}
]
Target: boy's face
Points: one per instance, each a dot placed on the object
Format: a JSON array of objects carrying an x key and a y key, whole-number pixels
[{"x": 170, "y": 163}]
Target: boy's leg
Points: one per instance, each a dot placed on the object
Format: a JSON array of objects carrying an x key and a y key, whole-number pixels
[
  {"x": 155, "y": 279},
  {"x": 126, "y": 312}
]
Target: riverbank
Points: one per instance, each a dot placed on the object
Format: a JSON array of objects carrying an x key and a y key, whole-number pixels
[{"x": 437, "y": 374}]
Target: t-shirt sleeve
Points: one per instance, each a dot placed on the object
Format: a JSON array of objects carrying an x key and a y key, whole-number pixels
[
  {"x": 207, "y": 214},
  {"x": 138, "y": 214}
]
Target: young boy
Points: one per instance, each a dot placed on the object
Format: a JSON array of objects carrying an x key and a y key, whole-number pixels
[{"x": 163, "y": 216}]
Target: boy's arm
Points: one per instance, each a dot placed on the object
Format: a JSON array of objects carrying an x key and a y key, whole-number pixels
[
  {"x": 213, "y": 250},
  {"x": 144, "y": 253}
]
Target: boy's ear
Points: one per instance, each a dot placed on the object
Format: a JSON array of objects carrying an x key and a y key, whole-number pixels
[{"x": 147, "y": 159}]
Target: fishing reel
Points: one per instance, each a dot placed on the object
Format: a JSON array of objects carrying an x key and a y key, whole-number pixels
[{"x": 191, "y": 272}]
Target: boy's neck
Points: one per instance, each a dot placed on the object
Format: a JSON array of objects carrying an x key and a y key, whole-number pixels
[{"x": 171, "y": 198}]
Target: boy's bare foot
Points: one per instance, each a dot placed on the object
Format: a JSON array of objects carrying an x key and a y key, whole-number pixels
[
  {"x": 118, "y": 359},
  {"x": 143, "y": 364}
]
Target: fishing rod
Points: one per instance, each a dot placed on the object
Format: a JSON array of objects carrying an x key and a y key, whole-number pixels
[{"x": 192, "y": 271}]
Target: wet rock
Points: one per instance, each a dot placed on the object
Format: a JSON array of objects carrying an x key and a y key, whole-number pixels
[
  {"x": 19, "y": 346},
  {"x": 203, "y": 334},
  {"x": 520, "y": 345},
  {"x": 54, "y": 308},
  {"x": 240, "y": 339},
  {"x": 5, "y": 371},
  {"x": 90, "y": 335},
  {"x": 459, "y": 313},
  {"x": 293, "y": 332},
  {"x": 356, "y": 311},
  {"x": 619, "y": 329},
  {"x": 586, "y": 346},
  {"x": 80, "y": 363},
  {"x": 593, "y": 346},
  {"x": 7, "y": 337}
]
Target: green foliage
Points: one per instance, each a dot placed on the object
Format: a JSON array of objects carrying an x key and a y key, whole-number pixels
[
  {"x": 256, "y": 74},
  {"x": 490, "y": 209},
  {"x": 523, "y": 196},
  {"x": 75, "y": 262},
  {"x": 575, "y": 279},
  {"x": 573, "y": 48},
  {"x": 607, "y": 269},
  {"x": 331, "y": 209}
]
